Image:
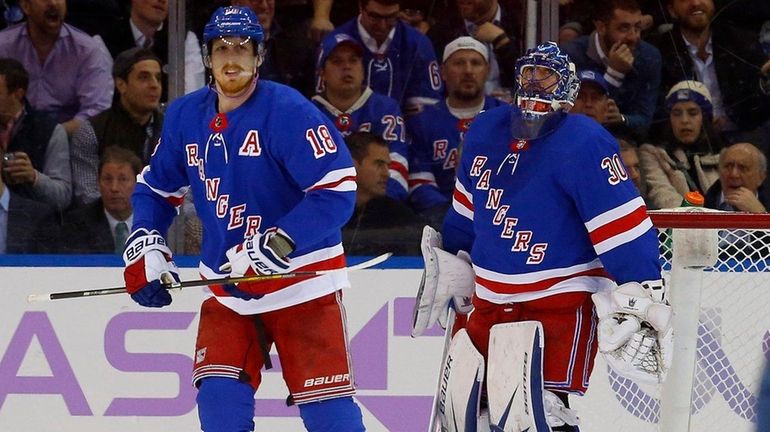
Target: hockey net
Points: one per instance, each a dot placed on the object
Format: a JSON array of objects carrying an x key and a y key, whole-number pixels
[{"x": 717, "y": 269}]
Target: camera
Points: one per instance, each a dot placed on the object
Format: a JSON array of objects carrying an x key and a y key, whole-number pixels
[{"x": 8, "y": 156}]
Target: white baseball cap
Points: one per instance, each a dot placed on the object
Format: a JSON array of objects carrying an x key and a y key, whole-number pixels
[{"x": 465, "y": 43}]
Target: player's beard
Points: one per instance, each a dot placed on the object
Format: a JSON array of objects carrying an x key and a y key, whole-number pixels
[
  {"x": 467, "y": 95},
  {"x": 233, "y": 87}
]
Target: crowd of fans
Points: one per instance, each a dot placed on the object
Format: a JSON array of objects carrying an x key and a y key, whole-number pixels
[{"x": 684, "y": 85}]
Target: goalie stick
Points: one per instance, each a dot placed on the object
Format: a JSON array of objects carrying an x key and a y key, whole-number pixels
[{"x": 220, "y": 281}]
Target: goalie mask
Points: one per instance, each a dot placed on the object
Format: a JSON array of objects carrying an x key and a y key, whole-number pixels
[
  {"x": 234, "y": 25},
  {"x": 546, "y": 84}
]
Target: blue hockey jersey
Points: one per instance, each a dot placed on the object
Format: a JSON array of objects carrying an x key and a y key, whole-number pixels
[
  {"x": 275, "y": 161},
  {"x": 381, "y": 116},
  {"x": 434, "y": 137},
  {"x": 552, "y": 215},
  {"x": 406, "y": 71}
]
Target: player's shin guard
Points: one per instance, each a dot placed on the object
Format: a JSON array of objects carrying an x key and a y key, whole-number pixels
[
  {"x": 225, "y": 405},
  {"x": 333, "y": 415}
]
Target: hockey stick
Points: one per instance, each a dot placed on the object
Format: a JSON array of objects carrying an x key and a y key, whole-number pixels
[
  {"x": 435, "y": 421},
  {"x": 220, "y": 281}
]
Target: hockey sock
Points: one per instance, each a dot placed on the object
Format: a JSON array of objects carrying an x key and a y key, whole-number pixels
[
  {"x": 333, "y": 415},
  {"x": 225, "y": 405}
]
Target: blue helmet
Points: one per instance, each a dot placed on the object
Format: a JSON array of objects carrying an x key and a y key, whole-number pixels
[
  {"x": 233, "y": 21},
  {"x": 535, "y": 101}
]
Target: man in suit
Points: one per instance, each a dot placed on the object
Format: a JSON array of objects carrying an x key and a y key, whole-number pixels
[
  {"x": 742, "y": 171},
  {"x": 22, "y": 221},
  {"x": 102, "y": 226}
]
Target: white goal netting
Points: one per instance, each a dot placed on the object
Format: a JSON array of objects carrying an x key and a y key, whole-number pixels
[{"x": 717, "y": 267}]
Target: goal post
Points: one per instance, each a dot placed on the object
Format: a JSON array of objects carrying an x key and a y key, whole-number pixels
[{"x": 716, "y": 268}]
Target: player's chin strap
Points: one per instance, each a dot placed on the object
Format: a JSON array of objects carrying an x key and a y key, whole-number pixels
[{"x": 635, "y": 332}]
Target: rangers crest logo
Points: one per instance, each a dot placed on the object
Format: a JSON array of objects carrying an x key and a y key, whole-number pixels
[
  {"x": 464, "y": 124},
  {"x": 218, "y": 123},
  {"x": 343, "y": 122},
  {"x": 519, "y": 145}
]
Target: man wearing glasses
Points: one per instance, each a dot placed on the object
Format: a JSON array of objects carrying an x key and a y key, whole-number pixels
[{"x": 399, "y": 61}]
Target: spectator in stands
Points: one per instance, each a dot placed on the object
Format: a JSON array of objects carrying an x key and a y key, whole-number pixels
[
  {"x": 630, "y": 65},
  {"x": 496, "y": 24},
  {"x": 145, "y": 27},
  {"x": 568, "y": 31},
  {"x": 354, "y": 107},
  {"x": 436, "y": 133},
  {"x": 629, "y": 154},
  {"x": 415, "y": 13},
  {"x": 68, "y": 69},
  {"x": 103, "y": 225},
  {"x": 399, "y": 61},
  {"x": 379, "y": 223},
  {"x": 37, "y": 149},
  {"x": 133, "y": 122},
  {"x": 728, "y": 60},
  {"x": 23, "y": 221},
  {"x": 687, "y": 160},
  {"x": 742, "y": 170},
  {"x": 593, "y": 98}
]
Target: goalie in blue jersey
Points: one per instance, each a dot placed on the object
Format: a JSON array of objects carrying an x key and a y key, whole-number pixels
[
  {"x": 546, "y": 233},
  {"x": 273, "y": 183}
]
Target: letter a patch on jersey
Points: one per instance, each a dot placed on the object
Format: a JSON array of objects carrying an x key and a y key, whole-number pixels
[{"x": 251, "y": 146}]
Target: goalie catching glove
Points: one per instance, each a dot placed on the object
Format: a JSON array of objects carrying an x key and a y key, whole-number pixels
[
  {"x": 635, "y": 332},
  {"x": 259, "y": 255},
  {"x": 148, "y": 268},
  {"x": 448, "y": 280}
]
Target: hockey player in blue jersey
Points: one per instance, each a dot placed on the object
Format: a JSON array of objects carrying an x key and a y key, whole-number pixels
[
  {"x": 272, "y": 193},
  {"x": 399, "y": 61},
  {"x": 544, "y": 220},
  {"x": 354, "y": 107},
  {"x": 435, "y": 134}
]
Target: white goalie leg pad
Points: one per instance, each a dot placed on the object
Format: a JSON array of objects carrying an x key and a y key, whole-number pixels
[
  {"x": 515, "y": 379},
  {"x": 459, "y": 391},
  {"x": 447, "y": 280}
]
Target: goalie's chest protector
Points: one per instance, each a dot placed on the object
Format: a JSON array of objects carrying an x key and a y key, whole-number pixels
[{"x": 531, "y": 199}]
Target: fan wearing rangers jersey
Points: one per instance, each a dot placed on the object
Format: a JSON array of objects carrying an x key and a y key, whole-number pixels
[
  {"x": 549, "y": 216},
  {"x": 353, "y": 107},
  {"x": 272, "y": 195},
  {"x": 436, "y": 133},
  {"x": 399, "y": 61}
]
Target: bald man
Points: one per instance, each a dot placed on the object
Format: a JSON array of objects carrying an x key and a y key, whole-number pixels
[{"x": 742, "y": 170}]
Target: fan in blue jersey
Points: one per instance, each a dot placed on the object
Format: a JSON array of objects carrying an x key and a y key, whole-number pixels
[
  {"x": 436, "y": 133},
  {"x": 543, "y": 216},
  {"x": 272, "y": 183},
  {"x": 399, "y": 61},
  {"x": 353, "y": 107}
]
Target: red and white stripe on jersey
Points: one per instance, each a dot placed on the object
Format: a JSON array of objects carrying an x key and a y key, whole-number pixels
[
  {"x": 323, "y": 394},
  {"x": 619, "y": 226},
  {"x": 224, "y": 371},
  {"x": 399, "y": 169},
  {"x": 289, "y": 291},
  {"x": 341, "y": 180},
  {"x": 422, "y": 178},
  {"x": 175, "y": 198},
  {"x": 462, "y": 201},
  {"x": 502, "y": 288}
]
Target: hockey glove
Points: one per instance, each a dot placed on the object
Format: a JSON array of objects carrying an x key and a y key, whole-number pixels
[
  {"x": 635, "y": 332},
  {"x": 148, "y": 268},
  {"x": 264, "y": 254}
]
